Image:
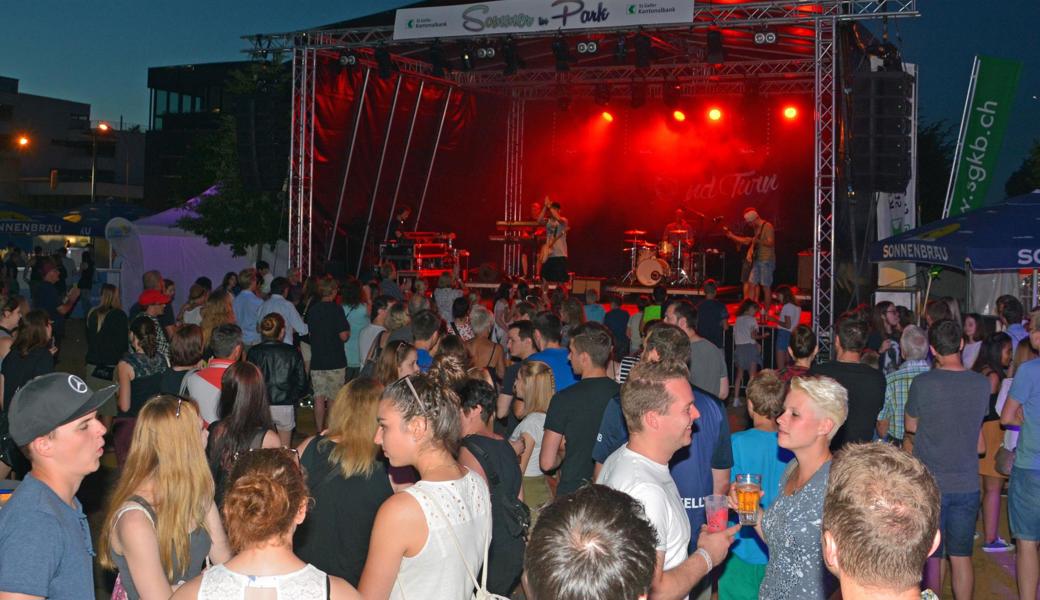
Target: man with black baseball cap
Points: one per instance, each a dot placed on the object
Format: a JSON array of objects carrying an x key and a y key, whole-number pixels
[{"x": 45, "y": 547}]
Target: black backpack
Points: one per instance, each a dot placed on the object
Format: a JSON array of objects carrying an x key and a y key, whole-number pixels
[{"x": 518, "y": 515}]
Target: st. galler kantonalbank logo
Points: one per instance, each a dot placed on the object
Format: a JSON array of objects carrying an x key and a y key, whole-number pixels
[
  {"x": 649, "y": 8},
  {"x": 426, "y": 23}
]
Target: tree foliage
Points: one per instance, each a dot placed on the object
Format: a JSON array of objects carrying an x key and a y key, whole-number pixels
[
  {"x": 936, "y": 144},
  {"x": 1027, "y": 177}
]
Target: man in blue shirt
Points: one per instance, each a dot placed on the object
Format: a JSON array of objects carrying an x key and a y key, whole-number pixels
[
  {"x": 45, "y": 546},
  {"x": 426, "y": 327},
  {"x": 247, "y": 308},
  {"x": 547, "y": 339}
]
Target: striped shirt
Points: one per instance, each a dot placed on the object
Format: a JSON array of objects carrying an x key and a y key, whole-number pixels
[{"x": 897, "y": 392}]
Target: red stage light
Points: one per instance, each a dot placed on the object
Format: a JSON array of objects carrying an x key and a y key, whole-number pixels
[
  {"x": 714, "y": 114},
  {"x": 679, "y": 116},
  {"x": 790, "y": 112},
  {"x": 609, "y": 118}
]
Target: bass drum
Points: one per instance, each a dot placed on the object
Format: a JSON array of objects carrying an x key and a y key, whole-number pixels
[{"x": 651, "y": 270}]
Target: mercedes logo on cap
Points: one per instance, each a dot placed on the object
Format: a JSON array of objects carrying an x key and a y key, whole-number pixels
[{"x": 78, "y": 385}]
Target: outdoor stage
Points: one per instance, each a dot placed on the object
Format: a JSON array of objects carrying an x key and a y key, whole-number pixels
[{"x": 733, "y": 104}]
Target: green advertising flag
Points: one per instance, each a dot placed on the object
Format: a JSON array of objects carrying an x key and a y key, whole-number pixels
[{"x": 986, "y": 116}]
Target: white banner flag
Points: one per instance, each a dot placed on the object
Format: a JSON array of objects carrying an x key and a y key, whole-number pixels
[{"x": 533, "y": 16}]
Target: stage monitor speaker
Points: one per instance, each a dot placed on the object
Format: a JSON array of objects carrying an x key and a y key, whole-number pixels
[
  {"x": 882, "y": 106},
  {"x": 583, "y": 284}
]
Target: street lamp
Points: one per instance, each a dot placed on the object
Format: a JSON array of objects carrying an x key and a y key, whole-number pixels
[
  {"x": 101, "y": 129},
  {"x": 22, "y": 141}
]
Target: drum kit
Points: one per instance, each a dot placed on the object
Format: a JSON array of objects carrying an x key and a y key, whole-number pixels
[{"x": 653, "y": 264}]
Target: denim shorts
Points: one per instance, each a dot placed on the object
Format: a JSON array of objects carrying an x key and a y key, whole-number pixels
[
  {"x": 957, "y": 524},
  {"x": 783, "y": 339},
  {"x": 762, "y": 272},
  {"x": 1022, "y": 513}
]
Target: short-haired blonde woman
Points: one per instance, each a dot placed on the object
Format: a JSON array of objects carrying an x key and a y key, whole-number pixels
[
  {"x": 161, "y": 522},
  {"x": 485, "y": 353},
  {"x": 535, "y": 386},
  {"x": 814, "y": 410},
  {"x": 429, "y": 538}
]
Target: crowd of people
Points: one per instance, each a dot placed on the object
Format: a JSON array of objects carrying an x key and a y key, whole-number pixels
[{"x": 522, "y": 442}]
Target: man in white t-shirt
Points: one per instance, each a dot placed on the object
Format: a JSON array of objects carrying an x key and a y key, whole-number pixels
[{"x": 658, "y": 404}]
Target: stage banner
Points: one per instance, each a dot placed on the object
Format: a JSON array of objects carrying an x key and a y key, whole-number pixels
[
  {"x": 533, "y": 16},
  {"x": 986, "y": 114}
]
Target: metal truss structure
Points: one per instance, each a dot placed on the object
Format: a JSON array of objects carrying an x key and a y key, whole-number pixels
[{"x": 806, "y": 61}]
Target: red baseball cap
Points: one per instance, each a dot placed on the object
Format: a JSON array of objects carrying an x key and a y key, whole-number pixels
[{"x": 150, "y": 297}]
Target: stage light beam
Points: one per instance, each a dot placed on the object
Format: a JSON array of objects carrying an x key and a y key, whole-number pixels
[
  {"x": 790, "y": 113},
  {"x": 714, "y": 114},
  {"x": 679, "y": 116},
  {"x": 609, "y": 118}
]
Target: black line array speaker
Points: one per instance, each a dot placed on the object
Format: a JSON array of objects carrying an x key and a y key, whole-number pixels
[{"x": 882, "y": 108}]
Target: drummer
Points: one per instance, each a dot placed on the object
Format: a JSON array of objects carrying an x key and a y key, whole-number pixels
[{"x": 678, "y": 230}]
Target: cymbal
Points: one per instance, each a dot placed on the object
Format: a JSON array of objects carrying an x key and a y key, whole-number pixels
[
  {"x": 638, "y": 242},
  {"x": 635, "y": 232},
  {"x": 677, "y": 232}
]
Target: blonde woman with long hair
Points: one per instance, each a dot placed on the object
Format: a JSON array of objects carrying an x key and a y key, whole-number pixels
[
  {"x": 347, "y": 477},
  {"x": 161, "y": 522},
  {"x": 535, "y": 386},
  {"x": 216, "y": 312}
]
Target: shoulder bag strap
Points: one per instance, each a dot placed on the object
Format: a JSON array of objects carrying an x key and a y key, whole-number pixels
[
  {"x": 482, "y": 585},
  {"x": 485, "y": 461},
  {"x": 376, "y": 346}
]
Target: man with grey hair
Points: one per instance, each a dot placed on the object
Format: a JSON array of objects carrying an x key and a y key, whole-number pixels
[{"x": 913, "y": 345}]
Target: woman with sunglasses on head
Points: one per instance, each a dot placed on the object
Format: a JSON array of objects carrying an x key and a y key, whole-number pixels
[
  {"x": 161, "y": 522},
  {"x": 399, "y": 359},
  {"x": 266, "y": 501},
  {"x": 430, "y": 539},
  {"x": 245, "y": 422}
]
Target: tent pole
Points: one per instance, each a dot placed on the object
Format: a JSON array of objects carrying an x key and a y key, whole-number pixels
[
  {"x": 404, "y": 159},
  {"x": 433, "y": 157},
  {"x": 379, "y": 173},
  {"x": 346, "y": 169}
]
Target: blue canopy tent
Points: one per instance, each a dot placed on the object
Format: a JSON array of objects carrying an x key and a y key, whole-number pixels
[
  {"x": 1001, "y": 239},
  {"x": 22, "y": 221},
  {"x": 91, "y": 219}
]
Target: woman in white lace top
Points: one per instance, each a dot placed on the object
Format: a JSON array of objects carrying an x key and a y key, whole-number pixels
[
  {"x": 429, "y": 541},
  {"x": 266, "y": 500}
]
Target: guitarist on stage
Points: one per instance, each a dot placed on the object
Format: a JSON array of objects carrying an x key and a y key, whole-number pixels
[
  {"x": 760, "y": 260},
  {"x": 553, "y": 254}
]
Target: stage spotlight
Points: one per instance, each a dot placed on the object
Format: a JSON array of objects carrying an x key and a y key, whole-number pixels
[
  {"x": 716, "y": 53},
  {"x": 790, "y": 112},
  {"x": 763, "y": 38},
  {"x": 638, "y": 94},
  {"x": 562, "y": 54},
  {"x": 384, "y": 63},
  {"x": 679, "y": 116},
  {"x": 486, "y": 52},
  {"x": 589, "y": 47},
  {"x": 609, "y": 118},
  {"x": 601, "y": 94},
  {"x": 621, "y": 50},
  {"x": 466, "y": 57},
  {"x": 348, "y": 60},
  {"x": 511, "y": 57},
  {"x": 644, "y": 51},
  {"x": 714, "y": 114},
  {"x": 670, "y": 94},
  {"x": 438, "y": 62}
]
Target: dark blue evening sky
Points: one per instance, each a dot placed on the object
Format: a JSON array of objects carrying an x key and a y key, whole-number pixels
[{"x": 99, "y": 51}]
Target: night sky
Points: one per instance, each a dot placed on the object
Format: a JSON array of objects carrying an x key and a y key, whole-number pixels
[{"x": 100, "y": 51}]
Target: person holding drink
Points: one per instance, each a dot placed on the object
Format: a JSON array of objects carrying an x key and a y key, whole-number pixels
[
  {"x": 755, "y": 451},
  {"x": 814, "y": 409}
]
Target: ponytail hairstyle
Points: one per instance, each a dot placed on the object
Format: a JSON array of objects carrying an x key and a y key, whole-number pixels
[
  {"x": 147, "y": 335},
  {"x": 265, "y": 492}
]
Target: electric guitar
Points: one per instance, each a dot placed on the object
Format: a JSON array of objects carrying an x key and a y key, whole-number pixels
[{"x": 546, "y": 249}]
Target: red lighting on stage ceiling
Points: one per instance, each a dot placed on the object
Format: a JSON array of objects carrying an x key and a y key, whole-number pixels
[
  {"x": 714, "y": 114},
  {"x": 609, "y": 118},
  {"x": 790, "y": 112},
  {"x": 679, "y": 116}
]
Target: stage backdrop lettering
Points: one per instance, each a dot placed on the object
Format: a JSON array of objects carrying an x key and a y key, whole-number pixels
[
  {"x": 533, "y": 16},
  {"x": 985, "y": 120},
  {"x": 735, "y": 186}
]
